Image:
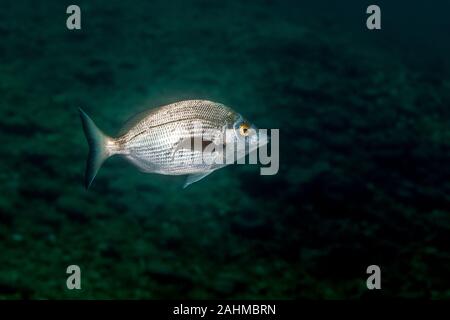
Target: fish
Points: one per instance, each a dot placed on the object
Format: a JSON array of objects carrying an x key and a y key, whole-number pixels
[{"x": 191, "y": 137}]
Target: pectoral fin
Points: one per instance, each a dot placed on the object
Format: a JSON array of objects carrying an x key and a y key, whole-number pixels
[
  {"x": 189, "y": 144},
  {"x": 195, "y": 177}
]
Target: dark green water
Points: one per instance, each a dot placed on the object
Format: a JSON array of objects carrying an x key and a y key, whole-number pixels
[{"x": 364, "y": 178}]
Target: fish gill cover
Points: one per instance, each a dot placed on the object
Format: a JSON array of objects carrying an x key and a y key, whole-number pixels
[{"x": 364, "y": 177}]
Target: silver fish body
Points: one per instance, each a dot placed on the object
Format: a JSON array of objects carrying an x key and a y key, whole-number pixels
[{"x": 172, "y": 139}]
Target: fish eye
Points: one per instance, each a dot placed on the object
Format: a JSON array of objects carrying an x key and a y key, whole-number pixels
[{"x": 244, "y": 129}]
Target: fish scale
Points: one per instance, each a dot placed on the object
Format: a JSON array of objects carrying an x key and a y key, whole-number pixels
[{"x": 157, "y": 145}]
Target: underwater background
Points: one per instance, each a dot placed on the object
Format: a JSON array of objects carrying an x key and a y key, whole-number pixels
[{"x": 364, "y": 119}]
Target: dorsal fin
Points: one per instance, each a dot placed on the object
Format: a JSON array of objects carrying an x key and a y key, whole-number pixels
[{"x": 133, "y": 120}]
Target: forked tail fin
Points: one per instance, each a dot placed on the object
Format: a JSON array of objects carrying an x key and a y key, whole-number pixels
[{"x": 98, "y": 151}]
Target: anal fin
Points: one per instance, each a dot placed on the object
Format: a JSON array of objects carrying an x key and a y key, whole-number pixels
[
  {"x": 146, "y": 167},
  {"x": 195, "y": 177}
]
